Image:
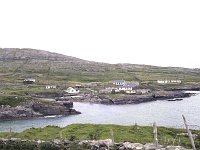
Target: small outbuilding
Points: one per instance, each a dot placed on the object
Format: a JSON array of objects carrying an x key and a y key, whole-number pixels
[
  {"x": 29, "y": 81},
  {"x": 51, "y": 86}
]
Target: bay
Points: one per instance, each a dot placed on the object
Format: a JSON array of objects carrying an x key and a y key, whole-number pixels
[{"x": 163, "y": 112}]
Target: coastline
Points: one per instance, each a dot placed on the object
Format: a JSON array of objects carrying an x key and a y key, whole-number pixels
[
  {"x": 64, "y": 106},
  {"x": 130, "y": 99}
]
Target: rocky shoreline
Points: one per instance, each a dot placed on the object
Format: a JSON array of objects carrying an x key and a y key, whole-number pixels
[
  {"x": 33, "y": 109},
  {"x": 63, "y": 104},
  {"x": 130, "y": 99}
]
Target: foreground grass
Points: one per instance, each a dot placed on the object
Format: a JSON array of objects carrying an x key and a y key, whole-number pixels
[{"x": 141, "y": 134}]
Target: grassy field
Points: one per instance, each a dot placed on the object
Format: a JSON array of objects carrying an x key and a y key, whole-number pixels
[
  {"x": 14, "y": 95},
  {"x": 141, "y": 134},
  {"x": 47, "y": 67}
]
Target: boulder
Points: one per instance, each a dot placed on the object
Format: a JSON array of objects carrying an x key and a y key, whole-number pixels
[
  {"x": 57, "y": 142},
  {"x": 175, "y": 148},
  {"x": 151, "y": 146},
  {"x": 133, "y": 146},
  {"x": 97, "y": 143}
]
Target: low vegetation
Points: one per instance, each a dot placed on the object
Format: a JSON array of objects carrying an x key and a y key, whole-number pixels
[
  {"x": 141, "y": 134},
  {"x": 13, "y": 100}
]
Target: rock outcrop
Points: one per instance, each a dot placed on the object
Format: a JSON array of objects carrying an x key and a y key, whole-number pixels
[
  {"x": 32, "y": 109},
  {"x": 55, "y": 108},
  {"x": 7, "y": 112}
]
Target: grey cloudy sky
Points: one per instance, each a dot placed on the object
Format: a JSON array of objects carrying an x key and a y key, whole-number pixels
[{"x": 153, "y": 32}]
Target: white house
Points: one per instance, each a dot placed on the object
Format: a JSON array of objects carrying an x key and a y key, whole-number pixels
[
  {"x": 119, "y": 82},
  {"x": 168, "y": 81},
  {"x": 163, "y": 81},
  {"x": 71, "y": 90},
  {"x": 51, "y": 87},
  {"x": 128, "y": 87},
  {"x": 130, "y": 91},
  {"x": 176, "y": 81}
]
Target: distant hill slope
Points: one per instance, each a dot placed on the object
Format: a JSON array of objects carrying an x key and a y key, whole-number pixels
[
  {"x": 8, "y": 54},
  {"x": 56, "y": 68}
]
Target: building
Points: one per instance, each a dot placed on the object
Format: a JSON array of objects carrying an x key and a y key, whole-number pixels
[
  {"x": 119, "y": 82},
  {"x": 71, "y": 90},
  {"x": 51, "y": 87},
  {"x": 29, "y": 81},
  {"x": 128, "y": 87},
  {"x": 168, "y": 81},
  {"x": 176, "y": 81},
  {"x": 163, "y": 81}
]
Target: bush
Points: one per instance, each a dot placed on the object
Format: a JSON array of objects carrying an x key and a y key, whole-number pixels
[{"x": 11, "y": 100}]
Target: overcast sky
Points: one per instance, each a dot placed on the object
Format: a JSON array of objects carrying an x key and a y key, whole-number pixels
[{"x": 153, "y": 32}]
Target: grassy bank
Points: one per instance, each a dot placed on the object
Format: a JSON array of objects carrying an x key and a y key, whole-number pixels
[{"x": 141, "y": 134}]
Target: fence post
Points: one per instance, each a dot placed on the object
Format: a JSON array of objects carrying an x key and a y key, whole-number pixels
[
  {"x": 61, "y": 135},
  {"x": 155, "y": 134},
  {"x": 189, "y": 133},
  {"x": 10, "y": 132},
  {"x": 112, "y": 136}
]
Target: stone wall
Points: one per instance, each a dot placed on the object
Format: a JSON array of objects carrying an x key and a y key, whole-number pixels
[{"x": 15, "y": 143}]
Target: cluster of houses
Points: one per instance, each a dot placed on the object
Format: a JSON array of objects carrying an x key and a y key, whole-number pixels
[
  {"x": 118, "y": 86},
  {"x": 125, "y": 87},
  {"x": 169, "y": 81},
  {"x": 69, "y": 90}
]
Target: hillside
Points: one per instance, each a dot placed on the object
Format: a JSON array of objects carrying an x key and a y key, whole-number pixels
[{"x": 17, "y": 64}]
